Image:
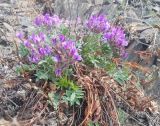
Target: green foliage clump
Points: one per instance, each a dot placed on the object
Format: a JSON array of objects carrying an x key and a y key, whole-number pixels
[{"x": 52, "y": 50}]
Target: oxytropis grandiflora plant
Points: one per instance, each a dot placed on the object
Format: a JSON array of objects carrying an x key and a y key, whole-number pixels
[{"x": 55, "y": 45}]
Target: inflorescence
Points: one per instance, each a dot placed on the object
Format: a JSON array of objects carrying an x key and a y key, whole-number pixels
[{"x": 114, "y": 35}]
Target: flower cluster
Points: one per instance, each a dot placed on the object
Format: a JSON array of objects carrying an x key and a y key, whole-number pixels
[
  {"x": 114, "y": 35},
  {"x": 98, "y": 23},
  {"x": 47, "y": 20},
  {"x": 62, "y": 50},
  {"x": 37, "y": 47},
  {"x": 65, "y": 53}
]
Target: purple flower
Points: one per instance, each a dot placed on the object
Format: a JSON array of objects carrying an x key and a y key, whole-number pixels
[
  {"x": 56, "y": 20},
  {"x": 32, "y": 37},
  {"x": 57, "y": 58},
  {"x": 42, "y": 51},
  {"x": 123, "y": 53},
  {"x": 27, "y": 44},
  {"x": 19, "y": 35},
  {"x": 61, "y": 38},
  {"x": 38, "y": 21},
  {"x": 68, "y": 44},
  {"x": 73, "y": 51},
  {"x": 58, "y": 72},
  {"x": 74, "y": 54},
  {"x": 47, "y": 20},
  {"x": 48, "y": 50},
  {"x": 65, "y": 45},
  {"x": 35, "y": 38},
  {"x": 42, "y": 36},
  {"x": 98, "y": 23},
  {"x": 77, "y": 57},
  {"x": 33, "y": 58},
  {"x": 120, "y": 39},
  {"x": 117, "y": 36},
  {"x": 108, "y": 36},
  {"x": 54, "y": 41}
]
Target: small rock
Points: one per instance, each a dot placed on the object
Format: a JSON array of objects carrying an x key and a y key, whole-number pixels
[
  {"x": 3, "y": 42},
  {"x": 131, "y": 13},
  {"x": 98, "y": 2},
  {"x": 156, "y": 1},
  {"x": 156, "y": 8},
  {"x": 147, "y": 35},
  {"x": 9, "y": 27}
]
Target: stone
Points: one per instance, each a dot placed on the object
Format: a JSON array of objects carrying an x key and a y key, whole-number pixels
[
  {"x": 156, "y": 1},
  {"x": 65, "y": 8},
  {"x": 147, "y": 35},
  {"x": 98, "y": 2},
  {"x": 8, "y": 27},
  {"x": 3, "y": 42},
  {"x": 132, "y": 14},
  {"x": 81, "y": 8}
]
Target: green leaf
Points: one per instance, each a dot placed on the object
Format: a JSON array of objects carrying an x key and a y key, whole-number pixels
[
  {"x": 64, "y": 30},
  {"x": 110, "y": 66},
  {"x": 97, "y": 124},
  {"x": 26, "y": 67},
  {"x": 55, "y": 98},
  {"x": 122, "y": 116},
  {"x": 42, "y": 62},
  {"x": 73, "y": 95},
  {"x": 78, "y": 102},
  {"x": 23, "y": 51},
  {"x": 19, "y": 70},
  {"x": 91, "y": 123},
  {"x": 41, "y": 75},
  {"x": 121, "y": 75},
  {"x": 63, "y": 82}
]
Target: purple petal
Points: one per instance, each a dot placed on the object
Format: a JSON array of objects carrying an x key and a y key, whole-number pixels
[
  {"x": 19, "y": 35},
  {"x": 54, "y": 41},
  {"x": 42, "y": 36},
  {"x": 38, "y": 21},
  {"x": 27, "y": 43},
  {"x": 57, "y": 58},
  {"x": 77, "y": 57},
  {"x": 58, "y": 72},
  {"x": 62, "y": 38}
]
